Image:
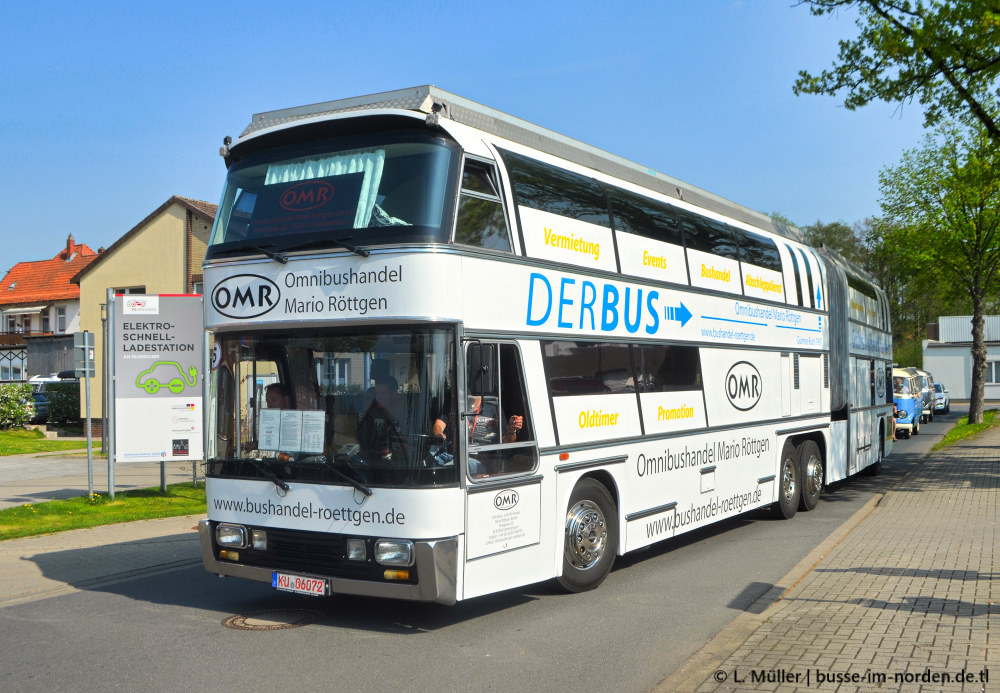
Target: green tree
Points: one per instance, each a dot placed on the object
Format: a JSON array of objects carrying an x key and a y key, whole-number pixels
[
  {"x": 837, "y": 235},
  {"x": 942, "y": 212},
  {"x": 943, "y": 53}
]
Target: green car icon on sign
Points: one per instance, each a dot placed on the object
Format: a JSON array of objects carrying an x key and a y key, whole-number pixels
[{"x": 174, "y": 379}]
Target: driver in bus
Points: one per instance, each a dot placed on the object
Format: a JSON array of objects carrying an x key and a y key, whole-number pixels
[
  {"x": 277, "y": 396},
  {"x": 378, "y": 430}
]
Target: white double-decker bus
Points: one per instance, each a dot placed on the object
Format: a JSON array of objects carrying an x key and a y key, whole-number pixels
[{"x": 455, "y": 353}]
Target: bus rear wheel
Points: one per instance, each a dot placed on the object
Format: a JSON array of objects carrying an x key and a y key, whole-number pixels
[
  {"x": 591, "y": 537},
  {"x": 789, "y": 487},
  {"x": 812, "y": 475}
]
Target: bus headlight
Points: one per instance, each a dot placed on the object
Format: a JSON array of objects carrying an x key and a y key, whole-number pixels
[
  {"x": 231, "y": 536},
  {"x": 258, "y": 539},
  {"x": 394, "y": 551}
]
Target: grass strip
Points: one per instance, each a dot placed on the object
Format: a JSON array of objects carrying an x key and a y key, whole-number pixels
[
  {"x": 21, "y": 442},
  {"x": 963, "y": 429},
  {"x": 51, "y": 516}
]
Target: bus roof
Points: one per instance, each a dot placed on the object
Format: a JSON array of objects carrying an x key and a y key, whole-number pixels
[{"x": 438, "y": 104}]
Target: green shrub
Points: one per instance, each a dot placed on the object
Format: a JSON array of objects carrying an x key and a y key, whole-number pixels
[
  {"x": 14, "y": 399},
  {"x": 64, "y": 401}
]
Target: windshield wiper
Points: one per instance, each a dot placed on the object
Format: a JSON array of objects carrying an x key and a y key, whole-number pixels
[
  {"x": 274, "y": 255},
  {"x": 272, "y": 477},
  {"x": 342, "y": 242},
  {"x": 329, "y": 464}
]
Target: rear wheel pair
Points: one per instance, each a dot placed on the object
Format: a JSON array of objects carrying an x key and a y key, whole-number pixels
[{"x": 800, "y": 477}]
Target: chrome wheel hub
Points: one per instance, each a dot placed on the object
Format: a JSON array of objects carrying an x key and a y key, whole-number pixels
[{"x": 586, "y": 535}]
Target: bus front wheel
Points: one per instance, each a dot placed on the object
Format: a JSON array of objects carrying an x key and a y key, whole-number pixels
[
  {"x": 789, "y": 487},
  {"x": 591, "y": 537}
]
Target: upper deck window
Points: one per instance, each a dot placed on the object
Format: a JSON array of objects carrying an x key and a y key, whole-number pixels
[
  {"x": 557, "y": 191},
  {"x": 646, "y": 217},
  {"x": 320, "y": 195},
  {"x": 481, "y": 221}
]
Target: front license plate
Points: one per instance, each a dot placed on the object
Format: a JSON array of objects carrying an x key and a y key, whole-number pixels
[{"x": 285, "y": 582}]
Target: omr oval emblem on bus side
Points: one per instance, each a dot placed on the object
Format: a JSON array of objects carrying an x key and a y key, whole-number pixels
[
  {"x": 505, "y": 500},
  {"x": 245, "y": 296},
  {"x": 743, "y": 385}
]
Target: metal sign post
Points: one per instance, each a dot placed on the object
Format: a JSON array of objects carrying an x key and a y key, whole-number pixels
[{"x": 83, "y": 365}]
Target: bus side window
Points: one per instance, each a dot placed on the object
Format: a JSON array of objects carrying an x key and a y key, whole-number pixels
[
  {"x": 481, "y": 220},
  {"x": 495, "y": 447},
  {"x": 667, "y": 368}
]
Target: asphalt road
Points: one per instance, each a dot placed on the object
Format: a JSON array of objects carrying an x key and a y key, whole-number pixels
[{"x": 166, "y": 632}]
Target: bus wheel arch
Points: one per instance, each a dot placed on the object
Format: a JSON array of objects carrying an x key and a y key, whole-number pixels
[{"x": 590, "y": 542}]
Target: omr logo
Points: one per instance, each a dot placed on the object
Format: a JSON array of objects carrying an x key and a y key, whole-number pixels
[
  {"x": 743, "y": 385},
  {"x": 505, "y": 500},
  {"x": 307, "y": 195},
  {"x": 245, "y": 296}
]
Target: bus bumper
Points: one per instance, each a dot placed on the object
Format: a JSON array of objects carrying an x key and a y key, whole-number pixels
[{"x": 436, "y": 560}]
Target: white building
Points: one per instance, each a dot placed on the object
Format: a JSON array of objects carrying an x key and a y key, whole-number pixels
[{"x": 949, "y": 358}]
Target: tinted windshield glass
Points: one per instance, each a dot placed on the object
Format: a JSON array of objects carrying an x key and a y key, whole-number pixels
[
  {"x": 370, "y": 192},
  {"x": 316, "y": 408},
  {"x": 901, "y": 386}
]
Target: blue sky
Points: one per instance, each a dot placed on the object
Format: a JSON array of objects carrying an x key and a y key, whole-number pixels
[{"x": 112, "y": 107}]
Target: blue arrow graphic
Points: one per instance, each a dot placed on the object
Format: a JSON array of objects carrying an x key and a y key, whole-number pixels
[
  {"x": 681, "y": 314},
  {"x": 819, "y": 297}
]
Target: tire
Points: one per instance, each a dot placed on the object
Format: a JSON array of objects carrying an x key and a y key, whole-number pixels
[
  {"x": 591, "y": 537},
  {"x": 876, "y": 468},
  {"x": 916, "y": 428},
  {"x": 811, "y": 464},
  {"x": 789, "y": 487}
]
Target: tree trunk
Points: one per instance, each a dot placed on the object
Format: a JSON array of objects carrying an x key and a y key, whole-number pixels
[{"x": 978, "y": 362}]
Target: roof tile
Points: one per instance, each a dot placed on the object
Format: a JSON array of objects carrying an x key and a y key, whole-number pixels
[{"x": 46, "y": 280}]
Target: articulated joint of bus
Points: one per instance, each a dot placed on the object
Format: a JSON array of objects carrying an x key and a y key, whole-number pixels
[{"x": 428, "y": 573}]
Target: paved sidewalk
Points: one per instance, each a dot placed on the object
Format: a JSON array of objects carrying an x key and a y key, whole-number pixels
[
  {"x": 52, "y": 564},
  {"x": 906, "y": 597}
]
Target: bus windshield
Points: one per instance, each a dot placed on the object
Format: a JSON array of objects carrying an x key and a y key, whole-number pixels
[
  {"x": 359, "y": 190},
  {"x": 334, "y": 407}
]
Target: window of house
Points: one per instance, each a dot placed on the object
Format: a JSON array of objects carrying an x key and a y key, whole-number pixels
[
  {"x": 61, "y": 319},
  {"x": 46, "y": 320}
]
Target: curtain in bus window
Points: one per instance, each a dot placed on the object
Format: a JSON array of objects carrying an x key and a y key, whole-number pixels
[{"x": 368, "y": 162}]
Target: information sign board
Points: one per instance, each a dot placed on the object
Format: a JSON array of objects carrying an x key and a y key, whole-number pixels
[{"x": 157, "y": 347}]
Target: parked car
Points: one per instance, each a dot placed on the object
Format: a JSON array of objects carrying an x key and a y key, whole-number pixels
[
  {"x": 40, "y": 397},
  {"x": 943, "y": 401},
  {"x": 926, "y": 391},
  {"x": 909, "y": 402}
]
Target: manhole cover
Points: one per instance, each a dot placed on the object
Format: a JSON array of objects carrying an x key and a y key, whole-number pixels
[{"x": 270, "y": 619}]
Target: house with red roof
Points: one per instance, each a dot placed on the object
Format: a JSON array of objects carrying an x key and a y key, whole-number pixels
[{"x": 39, "y": 299}]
